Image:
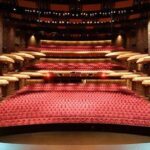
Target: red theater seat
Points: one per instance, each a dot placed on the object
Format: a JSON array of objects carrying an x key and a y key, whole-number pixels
[
  {"x": 74, "y": 48},
  {"x": 76, "y": 66},
  {"x": 74, "y": 103}
]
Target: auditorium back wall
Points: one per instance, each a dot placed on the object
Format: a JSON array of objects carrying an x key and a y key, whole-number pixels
[{"x": 138, "y": 39}]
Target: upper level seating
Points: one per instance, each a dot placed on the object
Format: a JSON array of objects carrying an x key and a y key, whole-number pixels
[{"x": 75, "y": 48}]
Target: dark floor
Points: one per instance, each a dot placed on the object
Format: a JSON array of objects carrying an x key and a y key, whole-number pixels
[{"x": 75, "y": 138}]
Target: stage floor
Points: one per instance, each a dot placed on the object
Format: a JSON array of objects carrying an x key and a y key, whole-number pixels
[{"x": 74, "y": 138}]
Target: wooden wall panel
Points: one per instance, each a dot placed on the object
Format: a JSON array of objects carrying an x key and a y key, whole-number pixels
[
  {"x": 28, "y": 4},
  {"x": 138, "y": 40},
  {"x": 1, "y": 34},
  {"x": 149, "y": 36},
  {"x": 59, "y": 7},
  {"x": 91, "y": 7}
]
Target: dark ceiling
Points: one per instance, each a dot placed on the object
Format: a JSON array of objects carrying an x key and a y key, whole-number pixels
[{"x": 81, "y": 19}]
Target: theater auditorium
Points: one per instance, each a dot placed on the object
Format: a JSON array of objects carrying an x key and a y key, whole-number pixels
[{"x": 74, "y": 74}]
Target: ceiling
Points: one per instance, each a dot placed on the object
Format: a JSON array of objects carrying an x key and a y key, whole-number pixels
[{"x": 75, "y": 19}]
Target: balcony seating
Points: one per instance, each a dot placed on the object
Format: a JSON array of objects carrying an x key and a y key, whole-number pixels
[
  {"x": 126, "y": 55},
  {"x": 140, "y": 79},
  {"x": 74, "y": 103},
  {"x": 22, "y": 79},
  {"x": 35, "y": 54},
  {"x": 136, "y": 57},
  {"x": 25, "y": 55},
  {"x": 119, "y": 74},
  {"x": 75, "y": 48},
  {"x": 129, "y": 78},
  {"x": 132, "y": 65},
  {"x": 15, "y": 57},
  {"x": 5, "y": 63},
  {"x": 116, "y": 54},
  {"x": 32, "y": 74},
  {"x": 105, "y": 81},
  {"x": 146, "y": 84},
  {"x": 3, "y": 84},
  {"x": 6, "y": 59},
  {"x": 13, "y": 84},
  {"x": 145, "y": 59}
]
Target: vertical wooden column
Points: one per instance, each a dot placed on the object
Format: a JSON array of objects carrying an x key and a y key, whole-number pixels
[
  {"x": 142, "y": 40},
  {"x": 22, "y": 41},
  {"x": 1, "y": 33},
  {"x": 149, "y": 36},
  {"x": 138, "y": 40},
  {"x": 9, "y": 38}
]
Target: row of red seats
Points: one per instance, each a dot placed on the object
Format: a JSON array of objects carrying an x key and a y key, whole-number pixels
[
  {"x": 74, "y": 48},
  {"x": 76, "y": 66},
  {"x": 102, "y": 107},
  {"x": 91, "y": 87}
]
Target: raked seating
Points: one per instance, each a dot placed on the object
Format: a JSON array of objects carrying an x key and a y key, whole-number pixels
[
  {"x": 76, "y": 66},
  {"x": 74, "y": 103}
]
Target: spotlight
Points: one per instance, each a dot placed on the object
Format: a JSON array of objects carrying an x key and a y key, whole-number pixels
[
  {"x": 48, "y": 76},
  {"x": 103, "y": 75}
]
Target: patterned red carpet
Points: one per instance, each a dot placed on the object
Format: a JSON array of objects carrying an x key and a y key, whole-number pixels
[
  {"x": 76, "y": 66},
  {"x": 74, "y": 103}
]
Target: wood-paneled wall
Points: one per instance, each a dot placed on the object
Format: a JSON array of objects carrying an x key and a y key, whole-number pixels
[
  {"x": 1, "y": 34},
  {"x": 138, "y": 40}
]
